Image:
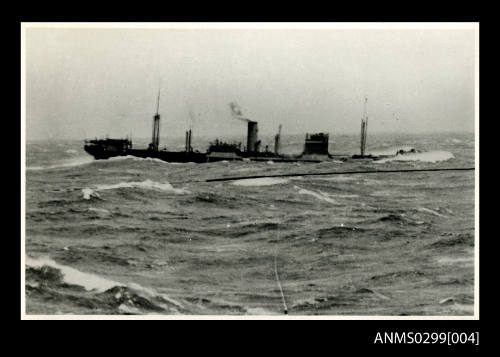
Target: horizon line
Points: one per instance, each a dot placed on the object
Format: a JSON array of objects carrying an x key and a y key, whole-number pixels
[{"x": 266, "y": 135}]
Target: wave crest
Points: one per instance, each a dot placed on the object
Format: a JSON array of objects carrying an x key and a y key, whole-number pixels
[
  {"x": 322, "y": 196},
  {"x": 264, "y": 181},
  {"x": 73, "y": 276},
  {"x": 429, "y": 156},
  {"x": 130, "y": 298},
  {"x": 147, "y": 184},
  {"x": 69, "y": 163}
]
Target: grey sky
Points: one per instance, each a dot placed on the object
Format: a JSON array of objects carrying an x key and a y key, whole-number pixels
[{"x": 91, "y": 82}]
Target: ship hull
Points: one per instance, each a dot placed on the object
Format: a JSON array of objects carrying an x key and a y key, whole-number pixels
[
  {"x": 100, "y": 153},
  {"x": 170, "y": 156}
]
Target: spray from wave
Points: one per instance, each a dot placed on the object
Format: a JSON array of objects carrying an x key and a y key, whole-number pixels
[{"x": 430, "y": 156}]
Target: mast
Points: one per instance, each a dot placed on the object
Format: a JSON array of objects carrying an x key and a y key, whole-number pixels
[
  {"x": 188, "y": 141},
  {"x": 277, "y": 141},
  {"x": 364, "y": 127},
  {"x": 156, "y": 124}
]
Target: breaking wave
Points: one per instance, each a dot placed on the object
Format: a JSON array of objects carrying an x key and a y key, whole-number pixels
[
  {"x": 70, "y": 163},
  {"x": 135, "y": 158},
  {"x": 391, "y": 150},
  {"x": 89, "y": 193},
  {"x": 430, "y": 156},
  {"x": 141, "y": 159},
  {"x": 319, "y": 195},
  {"x": 147, "y": 184},
  {"x": 98, "y": 210},
  {"x": 130, "y": 298},
  {"x": 427, "y": 210},
  {"x": 72, "y": 276}
]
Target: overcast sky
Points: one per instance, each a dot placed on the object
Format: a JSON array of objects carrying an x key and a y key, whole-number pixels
[{"x": 92, "y": 82}]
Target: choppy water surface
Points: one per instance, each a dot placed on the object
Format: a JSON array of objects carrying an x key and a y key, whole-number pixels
[{"x": 133, "y": 236}]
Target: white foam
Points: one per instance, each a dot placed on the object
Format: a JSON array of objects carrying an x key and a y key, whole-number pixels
[
  {"x": 391, "y": 150},
  {"x": 71, "y": 151},
  {"x": 136, "y": 158},
  {"x": 121, "y": 158},
  {"x": 423, "y": 209},
  {"x": 259, "y": 311},
  {"x": 344, "y": 196},
  {"x": 319, "y": 195},
  {"x": 79, "y": 161},
  {"x": 128, "y": 309},
  {"x": 264, "y": 181},
  {"x": 93, "y": 282},
  {"x": 147, "y": 184},
  {"x": 455, "y": 260},
  {"x": 151, "y": 293},
  {"x": 98, "y": 210},
  {"x": 73, "y": 276},
  {"x": 170, "y": 300},
  {"x": 429, "y": 156},
  {"x": 88, "y": 193},
  {"x": 151, "y": 159}
]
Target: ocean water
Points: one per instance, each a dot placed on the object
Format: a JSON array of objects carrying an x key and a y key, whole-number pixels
[{"x": 140, "y": 236}]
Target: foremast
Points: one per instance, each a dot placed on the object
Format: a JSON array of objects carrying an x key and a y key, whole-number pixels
[{"x": 364, "y": 128}]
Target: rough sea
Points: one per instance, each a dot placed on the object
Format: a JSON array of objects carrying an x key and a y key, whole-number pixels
[{"x": 135, "y": 236}]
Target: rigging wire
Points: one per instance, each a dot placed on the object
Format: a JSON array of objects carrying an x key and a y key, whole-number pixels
[
  {"x": 277, "y": 277},
  {"x": 235, "y": 178}
]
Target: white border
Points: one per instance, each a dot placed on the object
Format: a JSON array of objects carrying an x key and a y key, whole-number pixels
[
  {"x": 249, "y": 25},
  {"x": 23, "y": 168},
  {"x": 259, "y": 25},
  {"x": 476, "y": 173}
]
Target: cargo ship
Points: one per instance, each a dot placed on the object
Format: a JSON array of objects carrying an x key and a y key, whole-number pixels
[{"x": 315, "y": 146}]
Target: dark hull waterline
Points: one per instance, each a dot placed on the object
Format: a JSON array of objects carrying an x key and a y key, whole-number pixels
[{"x": 99, "y": 153}]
